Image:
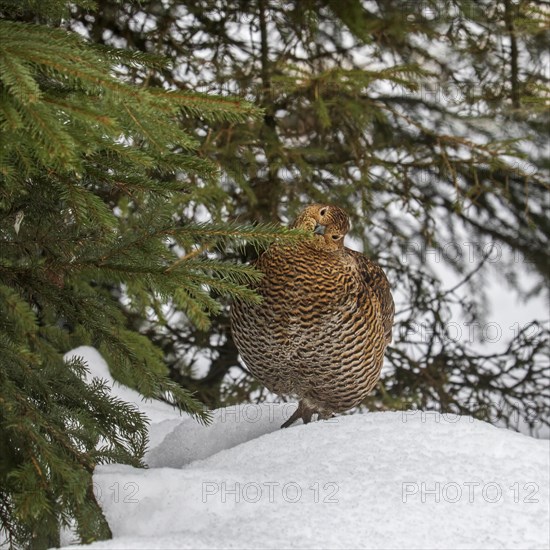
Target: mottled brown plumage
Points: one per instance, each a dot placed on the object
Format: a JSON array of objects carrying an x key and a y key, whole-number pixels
[{"x": 324, "y": 322}]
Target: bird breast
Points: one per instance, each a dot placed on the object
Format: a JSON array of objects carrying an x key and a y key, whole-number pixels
[{"x": 299, "y": 277}]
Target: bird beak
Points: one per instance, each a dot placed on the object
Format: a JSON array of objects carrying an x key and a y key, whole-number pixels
[{"x": 319, "y": 229}]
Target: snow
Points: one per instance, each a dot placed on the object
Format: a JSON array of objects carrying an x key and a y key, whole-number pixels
[{"x": 407, "y": 479}]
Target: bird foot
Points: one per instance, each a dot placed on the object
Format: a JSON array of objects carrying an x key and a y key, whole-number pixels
[{"x": 305, "y": 412}]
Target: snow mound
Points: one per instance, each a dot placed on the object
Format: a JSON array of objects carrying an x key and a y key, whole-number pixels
[
  {"x": 376, "y": 480},
  {"x": 190, "y": 441}
]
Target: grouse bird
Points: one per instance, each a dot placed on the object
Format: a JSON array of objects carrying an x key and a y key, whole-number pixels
[{"x": 324, "y": 322}]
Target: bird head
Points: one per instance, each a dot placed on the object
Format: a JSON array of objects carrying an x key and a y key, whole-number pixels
[{"x": 328, "y": 223}]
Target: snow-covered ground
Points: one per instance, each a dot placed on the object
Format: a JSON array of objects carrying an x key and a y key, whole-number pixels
[{"x": 373, "y": 480}]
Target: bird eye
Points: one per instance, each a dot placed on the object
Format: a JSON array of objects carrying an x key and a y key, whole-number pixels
[
  {"x": 323, "y": 211},
  {"x": 336, "y": 237}
]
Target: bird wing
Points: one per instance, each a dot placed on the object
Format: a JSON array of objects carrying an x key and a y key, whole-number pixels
[{"x": 375, "y": 278}]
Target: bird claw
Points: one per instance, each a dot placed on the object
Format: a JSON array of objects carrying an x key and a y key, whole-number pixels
[{"x": 305, "y": 413}]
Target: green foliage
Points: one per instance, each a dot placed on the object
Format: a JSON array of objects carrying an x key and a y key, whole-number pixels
[{"x": 96, "y": 175}]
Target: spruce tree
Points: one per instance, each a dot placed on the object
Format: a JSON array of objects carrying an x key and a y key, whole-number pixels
[
  {"x": 97, "y": 177},
  {"x": 427, "y": 121}
]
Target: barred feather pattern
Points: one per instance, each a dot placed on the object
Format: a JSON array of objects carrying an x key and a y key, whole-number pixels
[{"x": 324, "y": 322}]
